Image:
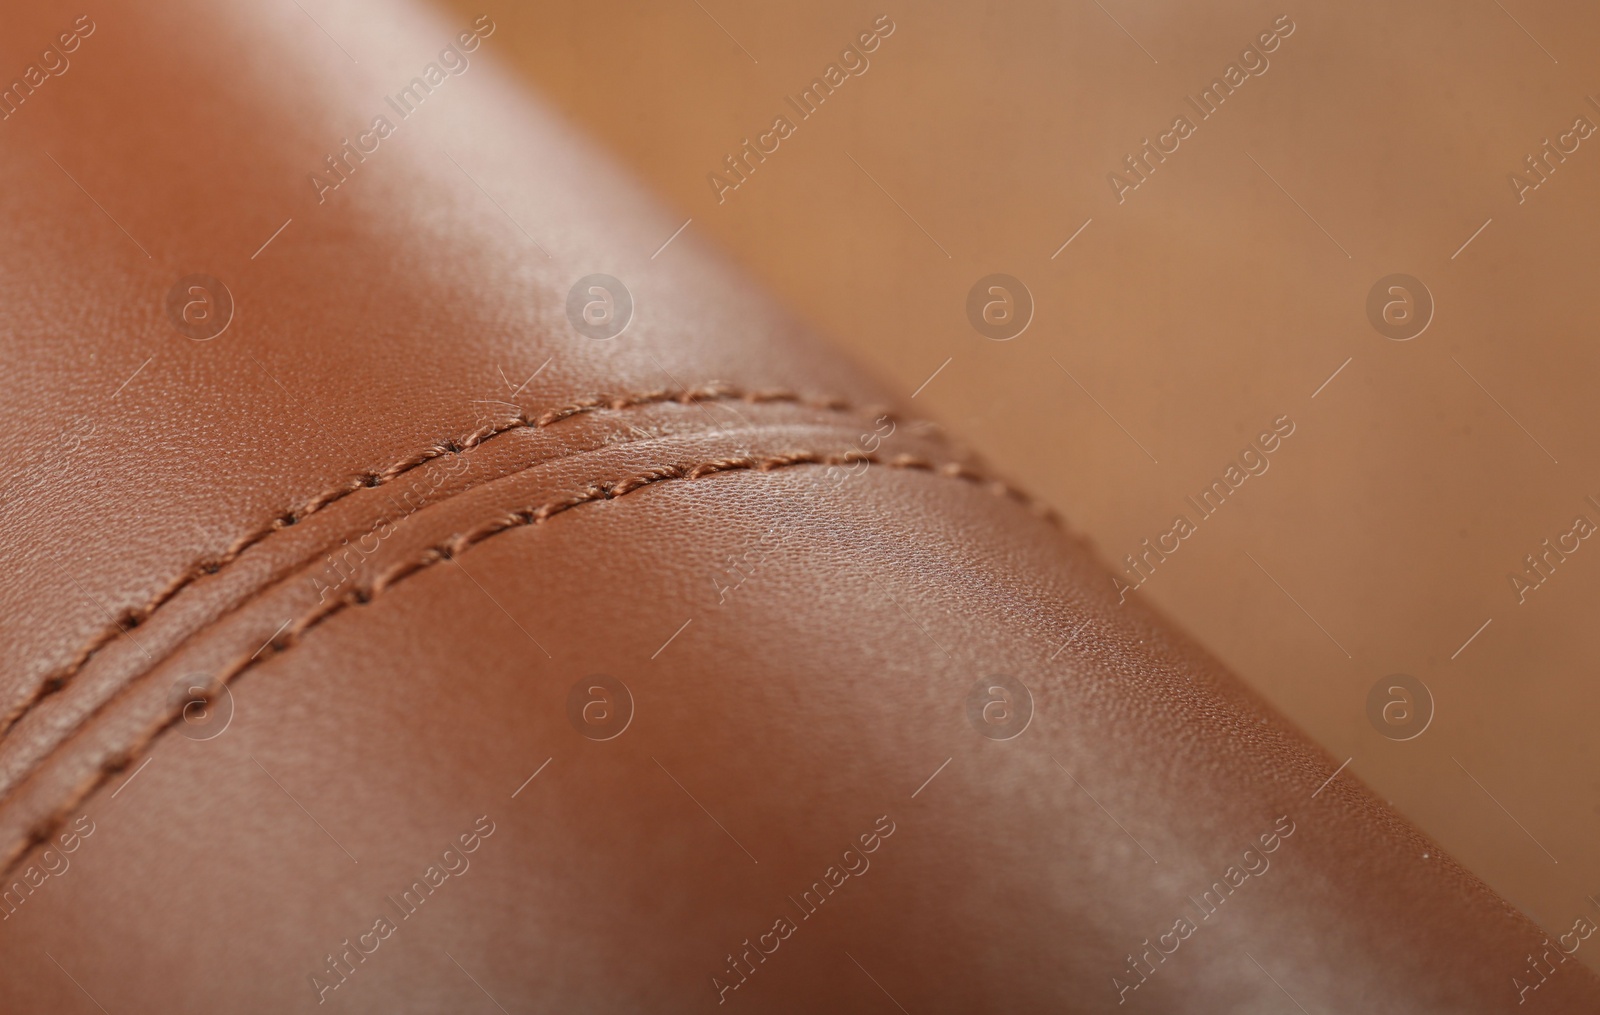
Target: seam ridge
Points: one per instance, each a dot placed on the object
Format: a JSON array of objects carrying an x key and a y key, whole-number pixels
[
  {"x": 452, "y": 547},
  {"x": 133, "y": 617}
]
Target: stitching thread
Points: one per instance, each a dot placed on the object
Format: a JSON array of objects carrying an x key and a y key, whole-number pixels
[
  {"x": 458, "y": 544},
  {"x": 133, "y": 617}
]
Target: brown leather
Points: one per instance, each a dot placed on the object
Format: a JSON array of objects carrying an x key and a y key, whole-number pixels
[{"x": 401, "y": 516}]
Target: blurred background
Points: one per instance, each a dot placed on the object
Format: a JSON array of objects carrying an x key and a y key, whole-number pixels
[{"x": 1180, "y": 312}]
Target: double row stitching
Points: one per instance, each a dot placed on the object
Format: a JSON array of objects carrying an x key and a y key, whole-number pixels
[
  {"x": 460, "y": 543},
  {"x": 132, "y": 618}
]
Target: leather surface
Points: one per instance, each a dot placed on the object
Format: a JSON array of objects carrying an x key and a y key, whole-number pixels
[{"x": 799, "y": 587}]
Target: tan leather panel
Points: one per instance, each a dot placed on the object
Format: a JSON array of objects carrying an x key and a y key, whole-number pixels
[{"x": 809, "y": 598}]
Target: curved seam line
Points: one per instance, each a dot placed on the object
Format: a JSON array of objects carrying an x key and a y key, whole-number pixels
[
  {"x": 133, "y": 617},
  {"x": 454, "y": 546},
  {"x": 288, "y": 572}
]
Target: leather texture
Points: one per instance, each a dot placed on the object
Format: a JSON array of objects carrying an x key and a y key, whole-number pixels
[{"x": 401, "y": 516}]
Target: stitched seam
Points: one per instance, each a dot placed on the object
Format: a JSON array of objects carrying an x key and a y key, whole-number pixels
[
  {"x": 133, "y": 617},
  {"x": 460, "y": 543},
  {"x": 284, "y": 574}
]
